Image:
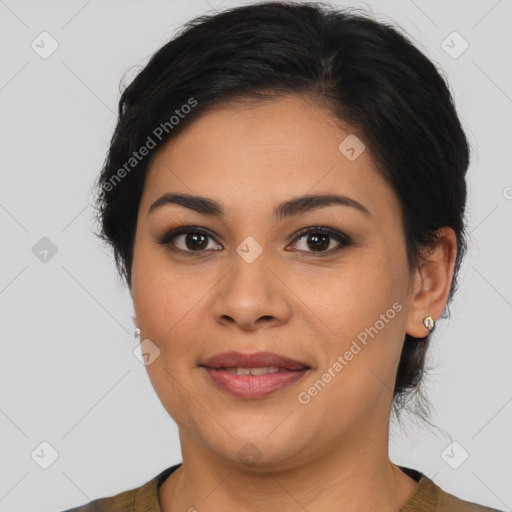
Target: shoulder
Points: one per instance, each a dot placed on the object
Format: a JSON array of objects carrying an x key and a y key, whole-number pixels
[
  {"x": 140, "y": 499},
  {"x": 121, "y": 502},
  {"x": 431, "y": 497}
]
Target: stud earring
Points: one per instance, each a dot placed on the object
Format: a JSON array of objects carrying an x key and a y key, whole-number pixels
[
  {"x": 429, "y": 322},
  {"x": 136, "y": 333}
]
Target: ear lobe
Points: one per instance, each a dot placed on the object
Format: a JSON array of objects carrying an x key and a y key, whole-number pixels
[{"x": 432, "y": 283}]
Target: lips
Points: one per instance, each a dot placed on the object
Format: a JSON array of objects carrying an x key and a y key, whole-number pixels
[{"x": 256, "y": 360}]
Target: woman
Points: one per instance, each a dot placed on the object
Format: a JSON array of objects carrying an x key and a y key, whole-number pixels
[{"x": 284, "y": 194}]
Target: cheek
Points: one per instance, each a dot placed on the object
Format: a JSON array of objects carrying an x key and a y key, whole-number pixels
[
  {"x": 364, "y": 311},
  {"x": 165, "y": 310},
  {"x": 164, "y": 313},
  {"x": 352, "y": 299},
  {"x": 160, "y": 296}
]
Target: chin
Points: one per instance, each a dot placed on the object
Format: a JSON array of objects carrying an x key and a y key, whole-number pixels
[{"x": 251, "y": 450}]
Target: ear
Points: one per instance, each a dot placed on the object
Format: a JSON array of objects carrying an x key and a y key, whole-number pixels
[{"x": 432, "y": 282}]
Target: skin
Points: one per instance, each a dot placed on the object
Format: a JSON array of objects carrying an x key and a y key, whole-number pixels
[{"x": 333, "y": 451}]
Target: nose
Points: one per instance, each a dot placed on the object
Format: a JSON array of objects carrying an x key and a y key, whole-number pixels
[{"x": 252, "y": 295}]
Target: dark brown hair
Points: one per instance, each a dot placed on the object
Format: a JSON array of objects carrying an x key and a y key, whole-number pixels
[{"x": 371, "y": 76}]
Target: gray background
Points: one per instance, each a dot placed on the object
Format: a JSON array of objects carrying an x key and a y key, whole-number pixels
[{"x": 68, "y": 375}]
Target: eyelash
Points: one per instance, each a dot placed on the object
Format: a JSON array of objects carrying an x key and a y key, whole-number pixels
[{"x": 341, "y": 238}]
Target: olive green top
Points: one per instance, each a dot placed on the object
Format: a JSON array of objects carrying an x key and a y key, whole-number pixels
[{"x": 428, "y": 497}]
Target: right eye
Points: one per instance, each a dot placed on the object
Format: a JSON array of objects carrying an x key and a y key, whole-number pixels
[{"x": 187, "y": 240}]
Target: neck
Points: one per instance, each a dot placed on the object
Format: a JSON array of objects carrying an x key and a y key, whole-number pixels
[{"x": 356, "y": 477}]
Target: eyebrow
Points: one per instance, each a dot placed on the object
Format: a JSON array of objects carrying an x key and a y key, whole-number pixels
[{"x": 295, "y": 206}]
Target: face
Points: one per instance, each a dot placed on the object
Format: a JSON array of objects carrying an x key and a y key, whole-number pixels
[{"x": 335, "y": 299}]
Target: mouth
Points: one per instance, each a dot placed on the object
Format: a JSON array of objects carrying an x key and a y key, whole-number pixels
[
  {"x": 256, "y": 360},
  {"x": 253, "y": 375}
]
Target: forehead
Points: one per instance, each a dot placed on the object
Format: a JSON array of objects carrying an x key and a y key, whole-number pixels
[{"x": 241, "y": 152}]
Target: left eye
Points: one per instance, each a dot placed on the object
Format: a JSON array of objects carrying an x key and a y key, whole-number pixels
[
  {"x": 320, "y": 238},
  {"x": 195, "y": 240}
]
